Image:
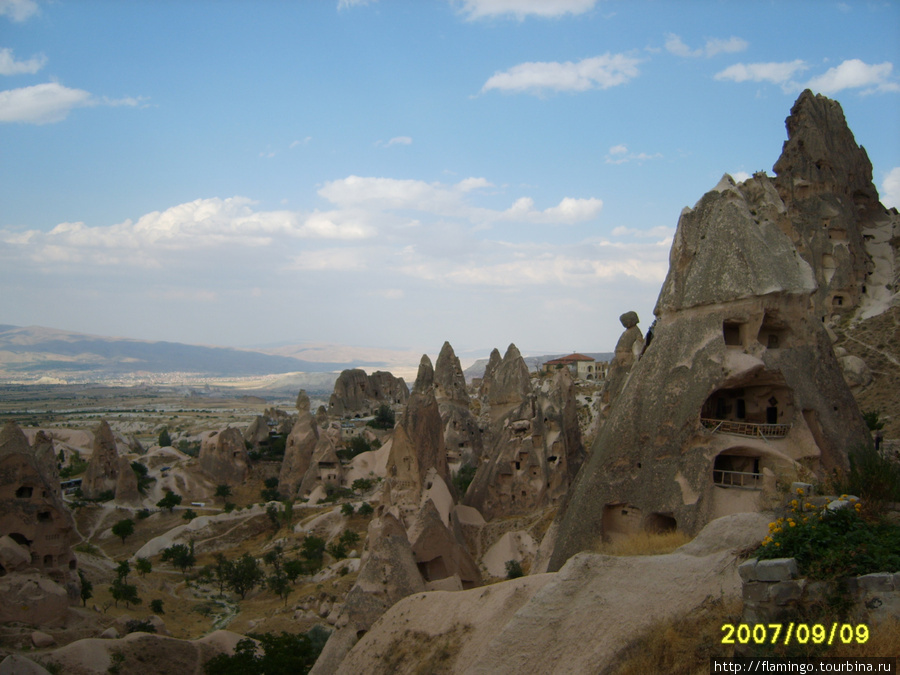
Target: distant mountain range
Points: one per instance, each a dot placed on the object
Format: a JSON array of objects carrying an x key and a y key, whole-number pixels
[{"x": 35, "y": 350}]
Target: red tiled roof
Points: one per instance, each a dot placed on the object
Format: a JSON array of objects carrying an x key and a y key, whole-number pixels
[{"x": 571, "y": 358}]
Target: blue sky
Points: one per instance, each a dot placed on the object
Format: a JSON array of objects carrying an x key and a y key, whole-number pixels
[{"x": 396, "y": 173}]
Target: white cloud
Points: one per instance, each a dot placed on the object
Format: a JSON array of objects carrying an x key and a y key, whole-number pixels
[
  {"x": 780, "y": 73},
  {"x": 396, "y": 140},
  {"x": 618, "y": 154},
  {"x": 347, "y": 4},
  {"x": 855, "y": 74},
  {"x": 51, "y": 102},
  {"x": 41, "y": 103},
  {"x": 599, "y": 72},
  {"x": 19, "y": 10},
  {"x": 675, "y": 45},
  {"x": 890, "y": 188},
  {"x": 9, "y": 65},
  {"x": 729, "y": 46},
  {"x": 663, "y": 233},
  {"x": 469, "y": 184},
  {"x": 479, "y": 9}
]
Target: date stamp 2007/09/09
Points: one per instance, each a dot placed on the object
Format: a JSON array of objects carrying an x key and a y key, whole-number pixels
[{"x": 799, "y": 633}]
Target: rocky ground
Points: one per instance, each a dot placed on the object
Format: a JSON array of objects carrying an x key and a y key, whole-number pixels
[{"x": 877, "y": 342}]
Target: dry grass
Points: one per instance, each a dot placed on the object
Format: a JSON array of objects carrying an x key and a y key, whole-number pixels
[
  {"x": 884, "y": 640},
  {"x": 683, "y": 645},
  {"x": 645, "y": 543}
]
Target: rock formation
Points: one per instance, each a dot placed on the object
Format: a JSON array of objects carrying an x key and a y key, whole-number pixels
[
  {"x": 438, "y": 553},
  {"x": 534, "y": 442},
  {"x": 223, "y": 456},
  {"x": 37, "y": 564},
  {"x": 298, "y": 449},
  {"x": 387, "y": 573},
  {"x": 579, "y": 620},
  {"x": 357, "y": 394},
  {"x": 324, "y": 469},
  {"x": 107, "y": 471},
  {"x": 832, "y": 210},
  {"x": 417, "y": 445},
  {"x": 628, "y": 349},
  {"x": 462, "y": 437},
  {"x": 257, "y": 434},
  {"x": 740, "y": 383}
]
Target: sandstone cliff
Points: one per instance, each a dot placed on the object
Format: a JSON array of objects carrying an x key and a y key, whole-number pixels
[{"x": 740, "y": 387}]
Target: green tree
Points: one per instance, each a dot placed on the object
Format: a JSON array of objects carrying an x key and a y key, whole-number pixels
[
  {"x": 222, "y": 570},
  {"x": 347, "y": 509},
  {"x": 144, "y": 480},
  {"x": 123, "y": 570},
  {"x": 349, "y": 538},
  {"x": 272, "y": 513},
  {"x": 164, "y": 440},
  {"x": 362, "y": 484},
  {"x": 87, "y": 588},
  {"x": 313, "y": 549},
  {"x": 355, "y": 446},
  {"x": 281, "y": 655},
  {"x": 270, "y": 492},
  {"x": 143, "y": 566},
  {"x": 180, "y": 555},
  {"x": 190, "y": 514},
  {"x": 244, "y": 574},
  {"x": 156, "y": 606},
  {"x": 223, "y": 491},
  {"x": 170, "y": 501},
  {"x": 127, "y": 593},
  {"x": 123, "y": 529},
  {"x": 384, "y": 417},
  {"x": 337, "y": 550},
  {"x": 365, "y": 509}
]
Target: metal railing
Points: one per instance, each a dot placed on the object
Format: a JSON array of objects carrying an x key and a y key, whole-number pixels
[
  {"x": 746, "y": 428},
  {"x": 744, "y": 480}
]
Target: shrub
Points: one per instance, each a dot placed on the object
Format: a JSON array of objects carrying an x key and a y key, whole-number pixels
[
  {"x": 156, "y": 606},
  {"x": 170, "y": 501},
  {"x": 366, "y": 509},
  {"x": 384, "y": 418},
  {"x": 362, "y": 484},
  {"x": 347, "y": 509},
  {"x": 872, "y": 477},
  {"x": 124, "y": 528},
  {"x": 138, "y": 626},
  {"x": 514, "y": 569},
  {"x": 190, "y": 514},
  {"x": 463, "y": 478},
  {"x": 143, "y": 513},
  {"x": 164, "y": 440},
  {"x": 143, "y": 479},
  {"x": 830, "y": 545},
  {"x": 355, "y": 446},
  {"x": 284, "y": 653}
]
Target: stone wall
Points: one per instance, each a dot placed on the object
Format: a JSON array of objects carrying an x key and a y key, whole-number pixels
[{"x": 772, "y": 591}]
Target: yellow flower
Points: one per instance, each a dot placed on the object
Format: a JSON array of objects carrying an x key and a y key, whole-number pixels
[
  {"x": 793, "y": 524},
  {"x": 800, "y": 491},
  {"x": 777, "y": 543},
  {"x": 794, "y": 503}
]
